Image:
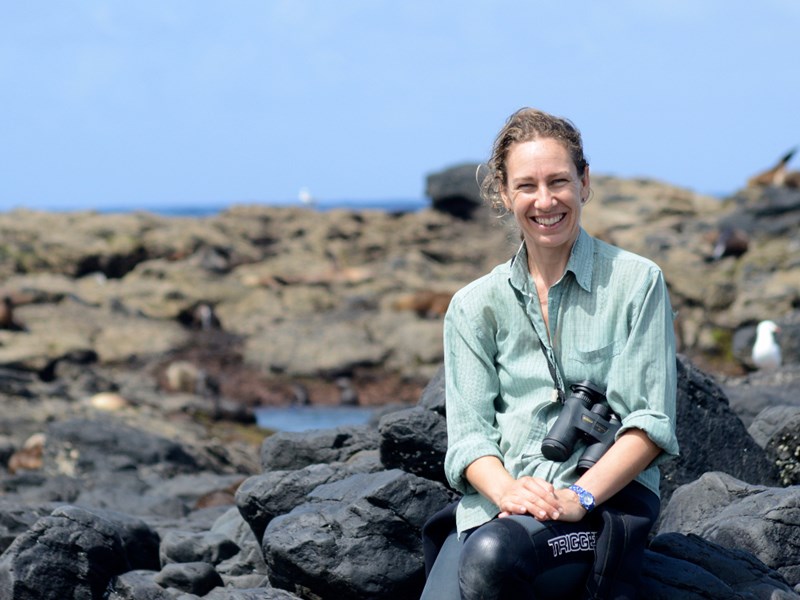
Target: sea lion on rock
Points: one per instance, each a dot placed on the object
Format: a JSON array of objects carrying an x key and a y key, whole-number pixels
[
  {"x": 425, "y": 303},
  {"x": 773, "y": 176},
  {"x": 29, "y": 457}
]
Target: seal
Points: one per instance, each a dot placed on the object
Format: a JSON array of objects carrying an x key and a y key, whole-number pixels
[
  {"x": 730, "y": 241},
  {"x": 775, "y": 175}
]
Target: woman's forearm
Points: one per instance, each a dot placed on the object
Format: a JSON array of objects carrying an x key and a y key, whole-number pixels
[
  {"x": 620, "y": 465},
  {"x": 488, "y": 475}
]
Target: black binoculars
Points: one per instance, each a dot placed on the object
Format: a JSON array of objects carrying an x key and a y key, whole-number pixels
[{"x": 585, "y": 415}]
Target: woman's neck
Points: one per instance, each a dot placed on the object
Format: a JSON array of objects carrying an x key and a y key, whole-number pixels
[{"x": 546, "y": 265}]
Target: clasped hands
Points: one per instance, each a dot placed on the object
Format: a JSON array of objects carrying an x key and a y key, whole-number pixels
[{"x": 538, "y": 498}]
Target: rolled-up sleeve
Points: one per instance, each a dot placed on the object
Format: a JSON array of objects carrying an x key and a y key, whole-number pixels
[
  {"x": 471, "y": 388},
  {"x": 642, "y": 384}
]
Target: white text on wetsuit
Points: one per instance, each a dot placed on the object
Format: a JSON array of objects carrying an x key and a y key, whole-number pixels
[{"x": 572, "y": 542}]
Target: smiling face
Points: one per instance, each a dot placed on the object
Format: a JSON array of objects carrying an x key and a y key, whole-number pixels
[{"x": 545, "y": 193}]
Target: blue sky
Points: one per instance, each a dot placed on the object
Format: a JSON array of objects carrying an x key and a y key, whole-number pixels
[{"x": 196, "y": 102}]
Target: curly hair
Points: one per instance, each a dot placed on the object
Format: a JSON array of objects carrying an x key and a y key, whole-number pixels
[{"x": 525, "y": 125}]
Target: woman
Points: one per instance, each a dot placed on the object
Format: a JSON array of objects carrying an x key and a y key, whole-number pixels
[{"x": 566, "y": 308}]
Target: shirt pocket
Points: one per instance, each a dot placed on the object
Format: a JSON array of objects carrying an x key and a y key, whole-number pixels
[
  {"x": 588, "y": 356},
  {"x": 590, "y": 363}
]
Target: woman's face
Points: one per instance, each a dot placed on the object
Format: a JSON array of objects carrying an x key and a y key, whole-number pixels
[{"x": 545, "y": 193}]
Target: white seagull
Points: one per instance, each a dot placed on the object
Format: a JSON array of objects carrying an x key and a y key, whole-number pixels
[{"x": 766, "y": 353}]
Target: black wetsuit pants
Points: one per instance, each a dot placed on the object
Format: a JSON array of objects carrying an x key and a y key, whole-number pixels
[{"x": 520, "y": 558}]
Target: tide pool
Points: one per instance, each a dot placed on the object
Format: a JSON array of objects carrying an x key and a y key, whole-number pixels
[{"x": 304, "y": 418}]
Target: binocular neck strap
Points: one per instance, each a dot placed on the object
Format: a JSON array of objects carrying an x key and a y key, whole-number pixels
[{"x": 557, "y": 388}]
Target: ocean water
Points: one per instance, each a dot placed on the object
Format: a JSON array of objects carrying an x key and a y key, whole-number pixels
[
  {"x": 389, "y": 205},
  {"x": 201, "y": 210}
]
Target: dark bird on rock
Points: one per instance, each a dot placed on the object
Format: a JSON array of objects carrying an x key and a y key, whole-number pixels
[
  {"x": 775, "y": 175},
  {"x": 729, "y": 241},
  {"x": 7, "y": 319},
  {"x": 348, "y": 396},
  {"x": 200, "y": 316}
]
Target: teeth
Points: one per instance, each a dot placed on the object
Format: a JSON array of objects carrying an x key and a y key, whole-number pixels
[{"x": 547, "y": 221}]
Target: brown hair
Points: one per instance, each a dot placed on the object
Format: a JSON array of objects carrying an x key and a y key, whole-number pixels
[{"x": 525, "y": 125}]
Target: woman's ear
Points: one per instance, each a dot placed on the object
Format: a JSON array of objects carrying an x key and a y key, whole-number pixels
[
  {"x": 586, "y": 189},
  {"x": 505, "y": 198}
]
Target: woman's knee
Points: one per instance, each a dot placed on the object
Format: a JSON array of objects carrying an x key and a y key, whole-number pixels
[{"x": 490, "y": 559}]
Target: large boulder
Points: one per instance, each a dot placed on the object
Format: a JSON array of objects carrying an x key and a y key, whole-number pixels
[
  {"x": 414, "y": 440},
  {"x": 263, "y": 497},
  {"x": 73, "y": 553},
  {"x": 688, "y": 567},
  {"x": 711, "y": 436},
  {"x": 455, "y": 190},
  {"x": 764, "y": 521},
  {"x": 357, "y": 538}
]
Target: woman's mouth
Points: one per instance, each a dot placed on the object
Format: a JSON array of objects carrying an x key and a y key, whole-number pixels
[{"x": 549, "y": 221}]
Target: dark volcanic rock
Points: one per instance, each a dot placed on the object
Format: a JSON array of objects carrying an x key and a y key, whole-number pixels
[
  {"x": 17, "y": 518},
  {"x": 783, "y": 448},
  {"x": 455, "y": 190},
  {"x": 414, "y": 440},
  {"x": 73, "y": 553},
  {"x": 263, "y": 497},
  {"x": 357, "y": 538},
  {"x": 770, "y": 421},
  {"x": 288, "y": 450},
  {"x": 752, "y": 393},
  {"x": 711, "y": 436},
  {"x": 760, "y": 520},
  {"x": 433, "y": 396},
  {"x": 678, "y": 567},
  {"x": 107, "y": 445},
  {"x": 197, "y": 578},
  {"x": 188, "y": 546},
  {"x": 136, "y": 585}
]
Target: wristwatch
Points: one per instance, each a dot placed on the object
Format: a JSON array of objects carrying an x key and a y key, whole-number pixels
[{"x": 585, "y": 498}]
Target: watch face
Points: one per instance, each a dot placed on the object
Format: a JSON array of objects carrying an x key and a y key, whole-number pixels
[{"x": 585, "y": 498}]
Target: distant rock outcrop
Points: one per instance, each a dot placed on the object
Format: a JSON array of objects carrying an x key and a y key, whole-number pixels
[{"x": 455, "y": 190}]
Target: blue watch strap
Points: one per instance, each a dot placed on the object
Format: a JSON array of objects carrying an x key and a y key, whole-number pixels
[{"x": 585, "y": 498}]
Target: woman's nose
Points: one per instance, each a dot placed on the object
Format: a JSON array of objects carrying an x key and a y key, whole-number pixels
[{"x": 544, "y": 199}]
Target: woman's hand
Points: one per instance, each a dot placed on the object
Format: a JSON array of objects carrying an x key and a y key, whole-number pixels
[
  {"x": 532, "y": 495},
  {"x": 572, "y": 509}
]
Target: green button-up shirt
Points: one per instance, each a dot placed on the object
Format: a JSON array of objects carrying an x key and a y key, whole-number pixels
[{"x": 610, "y": 322}]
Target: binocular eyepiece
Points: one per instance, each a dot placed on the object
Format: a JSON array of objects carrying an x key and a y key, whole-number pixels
[{"x": 585, "y": 415}]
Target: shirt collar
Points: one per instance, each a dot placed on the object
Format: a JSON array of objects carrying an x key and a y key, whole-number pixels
[{"x": 580, "y": 263}]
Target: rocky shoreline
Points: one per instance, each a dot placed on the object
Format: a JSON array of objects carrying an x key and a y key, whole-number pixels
[{"x": 137, "y": 347}]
